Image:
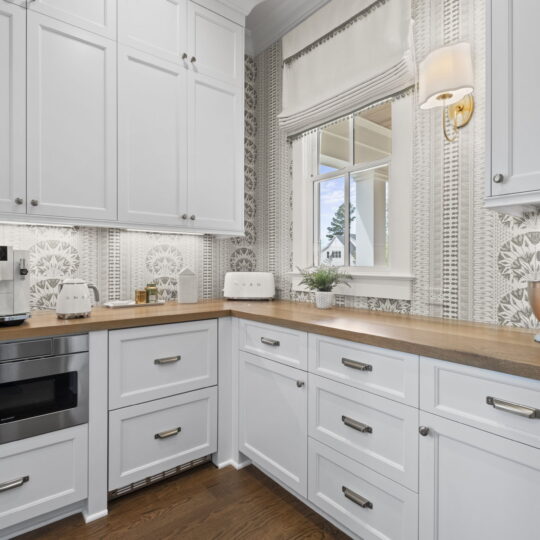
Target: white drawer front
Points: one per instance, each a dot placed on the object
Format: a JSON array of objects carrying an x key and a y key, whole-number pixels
[
  {"x": 375, "y": 431},
  {"x": 52, "y": 471},
  {"x": 461, "y": 392},
  {"x": 380, "y": 509},
  {"x": 274, "y": 342},
  {"x": 160, "y": 361},
  {"x": 391, "y": 374},
  {"x": 153, "y": 437}
]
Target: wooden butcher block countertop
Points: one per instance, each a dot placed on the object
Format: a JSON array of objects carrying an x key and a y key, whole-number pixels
[{"x": 508, "y": 350}]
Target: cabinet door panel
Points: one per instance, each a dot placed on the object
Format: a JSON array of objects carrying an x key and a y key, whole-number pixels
[
  {"x": 97, "y": 16},
  {"x": 155, "y": 26},
  {"x": 515, "y": 77},
  {"x": 476, "y": 485},
  {"x": 12, "y": 107},
  {"x": 217, "y": 45},
  {"x": 273, "y": 419},
  {"x": 71, "y": 121},
  {"x": 216, "y": 155},
  {"x": 152, "y": 139}
]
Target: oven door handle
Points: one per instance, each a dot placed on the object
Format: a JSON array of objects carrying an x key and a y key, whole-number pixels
[{"x": 6, "y": 486}]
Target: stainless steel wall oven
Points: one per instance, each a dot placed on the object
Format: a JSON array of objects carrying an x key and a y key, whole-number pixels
[{"x": 43, "y": 385}]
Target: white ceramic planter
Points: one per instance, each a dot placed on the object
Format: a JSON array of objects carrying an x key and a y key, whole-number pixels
[{"x": 324, "y": 300}]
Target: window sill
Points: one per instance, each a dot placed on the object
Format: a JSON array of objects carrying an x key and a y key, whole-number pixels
[{"x": 372, "y": 284}]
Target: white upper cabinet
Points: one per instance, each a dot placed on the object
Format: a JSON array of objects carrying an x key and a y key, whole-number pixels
[
  {"x": 22, "y": 3},
  {"x": 157, "y": 27},
  {"x": 216, "y": 154},
  {"x": 71, "y": 121},
  {"x": 97, "y": 16},
  {"x": 152, "y": 147},
  {"x": 513, "y": 78},
  {"x": 216, "y": 45},
  {"x": 12, "y": 108},
  {"x": 143, "y": 126}
]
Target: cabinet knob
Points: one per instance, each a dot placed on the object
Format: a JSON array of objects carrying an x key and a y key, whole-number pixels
[
  {"x": 423, "y": 430},
  {"x": 19, "y": 201},
  {"x": 300, "y": 384},
  {"x": 184, "y": 216},
  {"x": 184, "y": 56},
  {"x": 192, "y": 217},
  {"x": 193, "y": 59},
  {"x": 34, "y": 202},
  {"x": 498, "y": 178}
]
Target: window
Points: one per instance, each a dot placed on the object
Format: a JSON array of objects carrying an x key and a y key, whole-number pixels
[
  {"x": 353, "y": 158},
  {"x": 352, "y": 198}
]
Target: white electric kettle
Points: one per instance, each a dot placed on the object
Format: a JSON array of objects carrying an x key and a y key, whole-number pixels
[{"x": 74, "y": 299}]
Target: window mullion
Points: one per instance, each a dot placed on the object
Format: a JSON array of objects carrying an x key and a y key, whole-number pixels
[{"x": 347, "y": 213}]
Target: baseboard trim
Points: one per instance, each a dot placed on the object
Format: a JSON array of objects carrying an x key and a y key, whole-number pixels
[
  {"x": 88, "y": 518},
  {"x": 241, "y": 465}
]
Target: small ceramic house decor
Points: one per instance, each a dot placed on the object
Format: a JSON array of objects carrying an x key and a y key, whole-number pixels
[{"x": 187, "y": 287}]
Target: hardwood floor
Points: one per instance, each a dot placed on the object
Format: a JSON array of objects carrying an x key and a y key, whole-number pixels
[{"x": 202, "y": 504}]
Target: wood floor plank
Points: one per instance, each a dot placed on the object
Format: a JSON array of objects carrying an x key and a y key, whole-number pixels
[{"x": 203, "y": 504}]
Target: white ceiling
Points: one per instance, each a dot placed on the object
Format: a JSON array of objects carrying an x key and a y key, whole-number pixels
[{"x": 272, "y": 19}]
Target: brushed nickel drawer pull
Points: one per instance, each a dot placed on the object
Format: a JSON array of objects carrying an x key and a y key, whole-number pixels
[
  {"x": 168, "y": 360},
  {"x": 356, "y": 499},
  {"x": 360, "y": 366},
  {"x": 514, "y": 408},
  {"x": 167, "y": 434},
  {"x": 355, "y": 424},
  {"x": 271, "y": 342},
  {"x": 6, "y": 486}
]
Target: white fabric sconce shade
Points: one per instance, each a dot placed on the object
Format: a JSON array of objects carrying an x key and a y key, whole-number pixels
[{"x": 445, "y": 76}]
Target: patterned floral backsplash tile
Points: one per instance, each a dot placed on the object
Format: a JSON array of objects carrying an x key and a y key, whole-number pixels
[{"x": 56, "y": 253}]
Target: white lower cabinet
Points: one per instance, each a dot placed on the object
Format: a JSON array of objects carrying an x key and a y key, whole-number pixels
[
  {"x": 375, "y": 431},
  {"x": 153, "y": 437},
  {"x": 370, "y": 505},
  {"x": 42, "y": 474},
  {"x": 273, "y": 419},
  {"x": 160, "y": 361},
  {"x": 475, "y": 485}
]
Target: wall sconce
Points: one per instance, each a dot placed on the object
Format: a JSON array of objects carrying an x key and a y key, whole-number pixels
[{"x": 446, "y": 80}]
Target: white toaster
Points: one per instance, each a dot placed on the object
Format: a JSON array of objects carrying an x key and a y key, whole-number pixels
[{"x": 249, "y": 286}]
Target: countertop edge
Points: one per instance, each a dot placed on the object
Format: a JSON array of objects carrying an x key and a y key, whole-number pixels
[{"x": 375, "y": 332}]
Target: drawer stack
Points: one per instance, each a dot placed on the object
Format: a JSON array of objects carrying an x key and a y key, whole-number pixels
[
  {"x": 363, "y": 437},
  {"x": 334, "y": 421},
  {"x": 162, "y": 399}
]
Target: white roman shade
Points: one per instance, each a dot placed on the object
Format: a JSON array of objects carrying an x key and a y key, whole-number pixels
[{"x": 347, "y": 55}]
